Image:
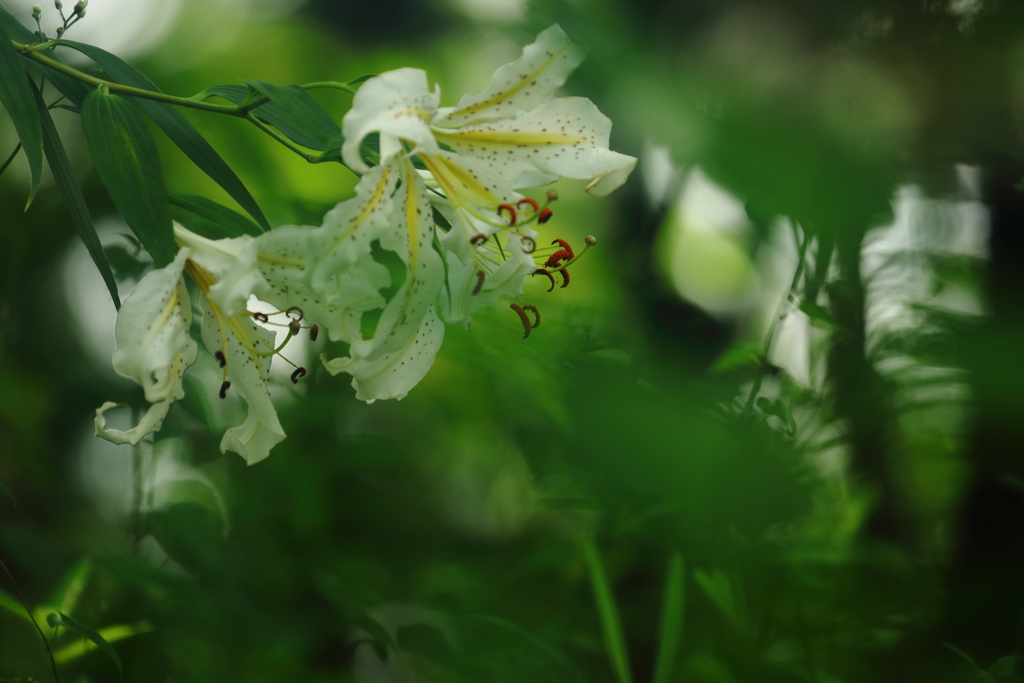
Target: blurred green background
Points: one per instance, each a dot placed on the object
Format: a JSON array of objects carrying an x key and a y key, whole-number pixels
[{"x": 779, "y": 406}]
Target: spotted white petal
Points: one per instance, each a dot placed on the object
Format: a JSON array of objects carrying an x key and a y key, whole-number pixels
[
  {"x": 565, "y": 137},
  {"x": 231, "y": 262},
  {"x": 457, "y": 301},
  {"x": 520, "y": 85},
  {"x": 397, "y": 103},
  {"x": 248, "y": 371},
  {"x": 393, "y": 374},
  {"x": 152, "y": 346},
  {"x": 510, "y": 276}
]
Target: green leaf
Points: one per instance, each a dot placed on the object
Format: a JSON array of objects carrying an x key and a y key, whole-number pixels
[
  {"x": 671, "y": 632},
  {"x": 231, "y": 223},
  {"x": 16, "y": 96},
  {"x": 717, "y": 587},
  {"x": 5, "y": 493},
  {"x": 129, "y": 166},
  {"x": 303, "y": 116},
  {"x": 611, "y": 625},
  {"x": 70, "y": 589},
  {"x": 111, "y": 634},
  {"x": 967, "y": 658},
  {"x": 58, "y": 619},
  {"x": 176, "y": 127},
  {"x": 361, "y": 79},
  {"x": 69, "y": 190},
  {"x": 1003, "y": 667},
  {"x": 271, "y": 112},
  {"x": 818, "y": 314},
  {"x": 69, "y": 87}
]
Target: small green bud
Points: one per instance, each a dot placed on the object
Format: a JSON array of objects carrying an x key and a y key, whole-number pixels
[
  {"x": 80, "y": 7},
  {"x": 60, "y": 31},
  {"x": 37, "y": 11},
  {"x": 58, "y": 4}
]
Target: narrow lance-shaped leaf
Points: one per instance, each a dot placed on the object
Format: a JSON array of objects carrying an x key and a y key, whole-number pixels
[
  {"x": 69, "y": 87},
  {"x": 58, "y": 619},
  {"x": 304, "y": 115},
  {"x": 232, "y": 223},
  {"x": 611, "y": 625},
  {"x": 69, "y": 190},
  {"x": 671, "y": 631},
  {"x": 127, "y": 161},
  {"x": 16, "y": 96},
  {"x": 176, "y": 127}
]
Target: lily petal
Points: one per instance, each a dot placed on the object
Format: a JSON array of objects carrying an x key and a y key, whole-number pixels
[
  {"x": 398, "y": 103},
  {"x": 232, "y": 263},
  {"x": 393, "y": 374},
  {"x": 520, "y": 85},
  {"x": 248, "y": 373},
  {"x": 566, "y": 137},
  {"x": 150, "y": 422}
]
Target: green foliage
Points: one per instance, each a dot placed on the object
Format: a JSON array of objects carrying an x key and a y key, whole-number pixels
[
  {"x": 16, "y": 97},
  {"x": 58, "y": 619}
]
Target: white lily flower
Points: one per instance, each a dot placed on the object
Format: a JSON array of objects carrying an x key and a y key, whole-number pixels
[
  {"x": 152, "y": 347},
  {"x": 510, "y": 136}
]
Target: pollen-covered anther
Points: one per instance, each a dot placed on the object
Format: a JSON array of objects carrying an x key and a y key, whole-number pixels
[
  {"x": 523, "y": 317},
  {"x": 477, "y": 239},
  {"x": 480, "y": 277},
  {"x": 313, "y": 332},
  {"x": 299, "y": 372},
  {"x": 590, "y": 240},
  {"x": 565, "y": 278},
  {"x": 527, "y": 200},
  {"x": 219, "y": 355},
  {"x": 261, "y": 317},
  {"x": 566, "y": 246},
  {"x": 511, "y": 212},
  {"x": 224, "y": 389},
  {"x": 296, "y": 311},
  {"x": 545, "y": 215},
  {"x": 536, "y": 314},
  {"x": 294, "y": 327},
  {"x": 542, "y": 271},
  {"x": 529, "y": 245}
]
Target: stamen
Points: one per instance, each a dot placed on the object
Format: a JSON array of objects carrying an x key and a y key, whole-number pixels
[
  {"x": 480, "y": 277},
  {"x": 590, "y": 240},
  {"x": 477, "y": 239},
  {"x": 565, "y": 245},
  {"x": 511, "y": 213},
  {"x": 536, "y": 314},
  {"x": 545, "y": 215},
  {"x": 294, "y": 327},
  {"x": 224, "y": 389},
  {"x": 560, "y": 255},
  {"x": 565, "y": 278},
  {"x": 288, "y": 311},
  {"x": 551, "y": 277},
  {"x": 301, "y": 372},
  {"x": 522, "y": 316},
  {"x": 261, "y": 317},
  {"x": 313, "y": 332},
  {"x": 219, "y": 355},
  {"x": 527, "y": 200}
]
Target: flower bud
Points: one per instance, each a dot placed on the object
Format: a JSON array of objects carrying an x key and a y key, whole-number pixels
[
  {"x": 58, "y": 4},
  {"x": 37, "y": 11},
  {"x": 60, "y": 31},
  {"x": 590, "y": 240},
  {"x": 80, "y": 7}
]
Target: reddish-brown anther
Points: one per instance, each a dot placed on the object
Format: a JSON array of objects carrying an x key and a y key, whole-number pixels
[
  {"x": 261, "y": 317},
  {"x": 219, "y": 355},
  {"x": 511, "y": 212},
  {"x": 224, "y": 389},
  {"x": 480, "y": 277},
  {"x": 300, "y": 372},
  {"x": 536, "y": 314},
  {"x": 522, "y": 316},
  {"x": 558, "y": 256},
  {"x": 541, "y": 271},
  {"x": 477, "y": 239},
  {"x": 545, "y": 215},
  {"x": 565, "y": 245},
  {"x": 313, "y": 332},
  {"x": 526, "y": 200},
  {"x": 529, "y": 245},
  {"x": 565, "y": 278}
]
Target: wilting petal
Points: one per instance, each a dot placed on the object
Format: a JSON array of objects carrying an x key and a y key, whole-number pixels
[
  {"x": 393, "y": 374},
  {"x": 566, "y": 137},
  {"x": 397, "y": 103},
  {"x": 520, "y": 85},
  {"x": 150, "y": 422},
  {"x": 248, "y": 373}
]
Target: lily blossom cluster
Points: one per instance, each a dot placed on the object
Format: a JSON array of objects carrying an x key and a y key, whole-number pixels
[{"x": 463, "y": 164}]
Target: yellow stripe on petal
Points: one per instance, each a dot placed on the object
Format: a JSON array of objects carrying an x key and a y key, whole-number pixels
[{"x": 488, "y": 138}]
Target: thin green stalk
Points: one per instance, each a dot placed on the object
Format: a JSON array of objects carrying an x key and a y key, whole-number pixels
[
  {"x": 279, "y": 137},
  {"x": 17, "y": 148},
  {"x": 28, "y": 609},
  {"x": 611, "y": 625},
  {"x": 671, "y": 631},
  {"x": 334, "y": 85}
]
